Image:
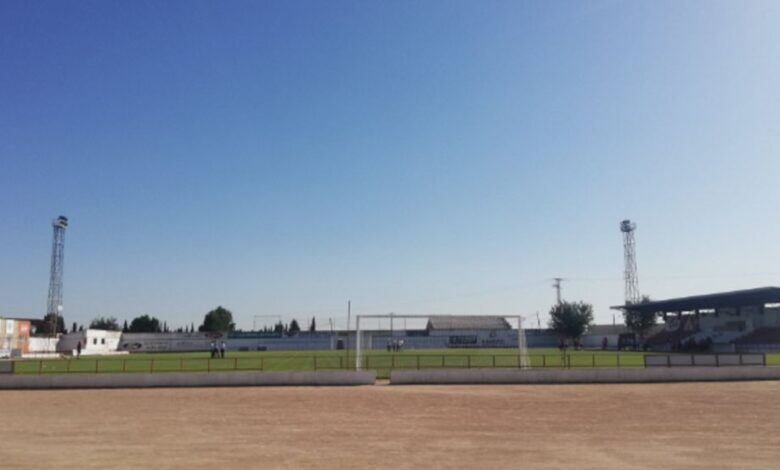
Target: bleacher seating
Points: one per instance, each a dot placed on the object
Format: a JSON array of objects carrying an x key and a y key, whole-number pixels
[
  {"x": 667, "y": 339},
  {"x": 766, "y": 335}
]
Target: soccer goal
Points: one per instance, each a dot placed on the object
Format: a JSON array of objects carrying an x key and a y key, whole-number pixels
[{"x": 396, "y": 333}]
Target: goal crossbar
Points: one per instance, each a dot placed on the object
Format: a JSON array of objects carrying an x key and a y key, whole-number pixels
[{"x": 522, "y": 349}]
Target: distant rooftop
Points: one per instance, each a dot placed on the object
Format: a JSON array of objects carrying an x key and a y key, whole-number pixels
[
  {"x": 467, "y": 322},
  {"x": 738, "y": 298}
]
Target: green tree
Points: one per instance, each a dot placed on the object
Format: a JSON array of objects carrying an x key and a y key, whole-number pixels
[
  {"x": 294, "y": 329},
  {"x": 125, "y": 328},
  {"x": 570, "y": 319},
  {"x": 105, "y": 323},
  {"x": 219, "y": 319},
  {"x": 279, "y": 328},
  {"x": 45, "y": 326},
  {"x": 145, "y": 324},
  {"x": 313, "y": 326},
  {"x": 639, "y": 322}
]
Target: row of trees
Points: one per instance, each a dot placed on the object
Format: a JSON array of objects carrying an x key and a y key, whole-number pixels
[
  {"x": 219, "y": 319},
  {"x": 570, "y": 320}
]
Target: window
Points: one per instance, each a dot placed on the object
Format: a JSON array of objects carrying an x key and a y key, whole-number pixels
[
  {"x": 102, "y": 340},
  {"x": 94, "y": 340}
]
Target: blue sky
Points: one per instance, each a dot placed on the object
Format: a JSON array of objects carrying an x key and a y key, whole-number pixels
[{"x": 279, "y": 158}]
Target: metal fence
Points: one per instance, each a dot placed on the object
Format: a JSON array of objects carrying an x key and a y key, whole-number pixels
[{"x": 378, "y": 362}]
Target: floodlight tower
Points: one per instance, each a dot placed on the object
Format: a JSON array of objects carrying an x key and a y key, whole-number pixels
[
  {"x": 54, "y": 307},
  {"x": 629, "y": 255}
]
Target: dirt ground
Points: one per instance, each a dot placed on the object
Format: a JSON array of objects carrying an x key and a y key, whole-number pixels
[{"x": 693, "y": 425}]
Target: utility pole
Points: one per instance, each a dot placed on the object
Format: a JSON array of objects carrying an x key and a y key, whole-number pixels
[{"x": 557, "y": 287}]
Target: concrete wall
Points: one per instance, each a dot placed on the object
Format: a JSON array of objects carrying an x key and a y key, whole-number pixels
[
  {"x": 93, "y": 342},
  {"x": 545, "y": 376},
  {"x": 185, "y": 379},
  {"x": 42, "y": 344}
]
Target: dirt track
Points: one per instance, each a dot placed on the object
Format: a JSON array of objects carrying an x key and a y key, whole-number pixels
[{"x": 706, "y": 425}]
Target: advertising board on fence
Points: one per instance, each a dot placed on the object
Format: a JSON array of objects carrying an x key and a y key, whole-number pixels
[{"x": 712, "y": 360}]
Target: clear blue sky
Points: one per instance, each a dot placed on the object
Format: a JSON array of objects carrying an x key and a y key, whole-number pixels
[{"x": 416, "y": 157}]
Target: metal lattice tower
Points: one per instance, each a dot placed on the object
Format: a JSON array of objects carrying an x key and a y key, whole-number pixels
[
  {"x": 629, "y": 255},
  {"x": 54, "y": 305}
]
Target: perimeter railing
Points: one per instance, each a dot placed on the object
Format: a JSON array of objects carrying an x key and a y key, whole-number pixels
[{"x": 327, "y": 361}]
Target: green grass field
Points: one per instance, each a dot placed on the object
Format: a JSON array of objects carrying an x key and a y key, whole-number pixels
[{"x": 380, "y": 361}]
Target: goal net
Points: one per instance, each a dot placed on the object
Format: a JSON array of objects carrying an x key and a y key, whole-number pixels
[{"x": 457, "y": 335}]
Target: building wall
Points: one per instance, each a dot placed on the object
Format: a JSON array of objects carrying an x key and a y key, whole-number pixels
[
  {"x": 93, "y": 342},
  {"x": 14, "y": 337}
]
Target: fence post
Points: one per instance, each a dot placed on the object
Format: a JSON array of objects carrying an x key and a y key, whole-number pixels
[
  {"x": 544, "y": 360},
  {"x": 493, "y": 357},
  {"x": 442, "y": 361},
  {"x": 668, "y": 360},
  {"x": 124, "y": 365},
  {"x": 67, "y": 368},
  {"x": 717, "y": 360},
  {"x": 740, "y": 359},
  {"x": 40, "y": 366},
  {"x": 593, "y": 360},
  {"x": 208, "y": 365}
]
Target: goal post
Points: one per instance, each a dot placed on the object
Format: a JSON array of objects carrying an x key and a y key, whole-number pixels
[{"x": 523, "y": 360}]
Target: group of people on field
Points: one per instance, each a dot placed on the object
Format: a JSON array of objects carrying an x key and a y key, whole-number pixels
[
  {"x": 395, "y": 345},
  {"x": 218, "y": 350}
]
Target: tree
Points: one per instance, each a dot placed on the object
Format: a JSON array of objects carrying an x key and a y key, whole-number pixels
[
  {"x": 145, "y": 324},
  {"x": 105, "y": 323},
  {"x": 219, "y": 319},
  {"x": 571, "y": 319},
  {"x": 638, "y": 321},
  {"x": 45, "y": 327},
  {"x": 294, "y": 328},
  {"x": 165, "y": 327},
  {"x": 73, "y": 329},
  {"x": 125, "y": 329},
  {"x": 313, "y": 326},
  {"x": 279, "y": 328}
]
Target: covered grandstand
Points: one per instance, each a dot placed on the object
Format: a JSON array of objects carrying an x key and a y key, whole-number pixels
[{"x": 735, "y": 321}]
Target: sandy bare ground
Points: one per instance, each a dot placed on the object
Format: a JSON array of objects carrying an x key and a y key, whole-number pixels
[{"x": 694, "y": 425}]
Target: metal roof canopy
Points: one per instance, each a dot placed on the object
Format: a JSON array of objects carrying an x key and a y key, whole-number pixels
[{"x": 738, "y": 298}]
